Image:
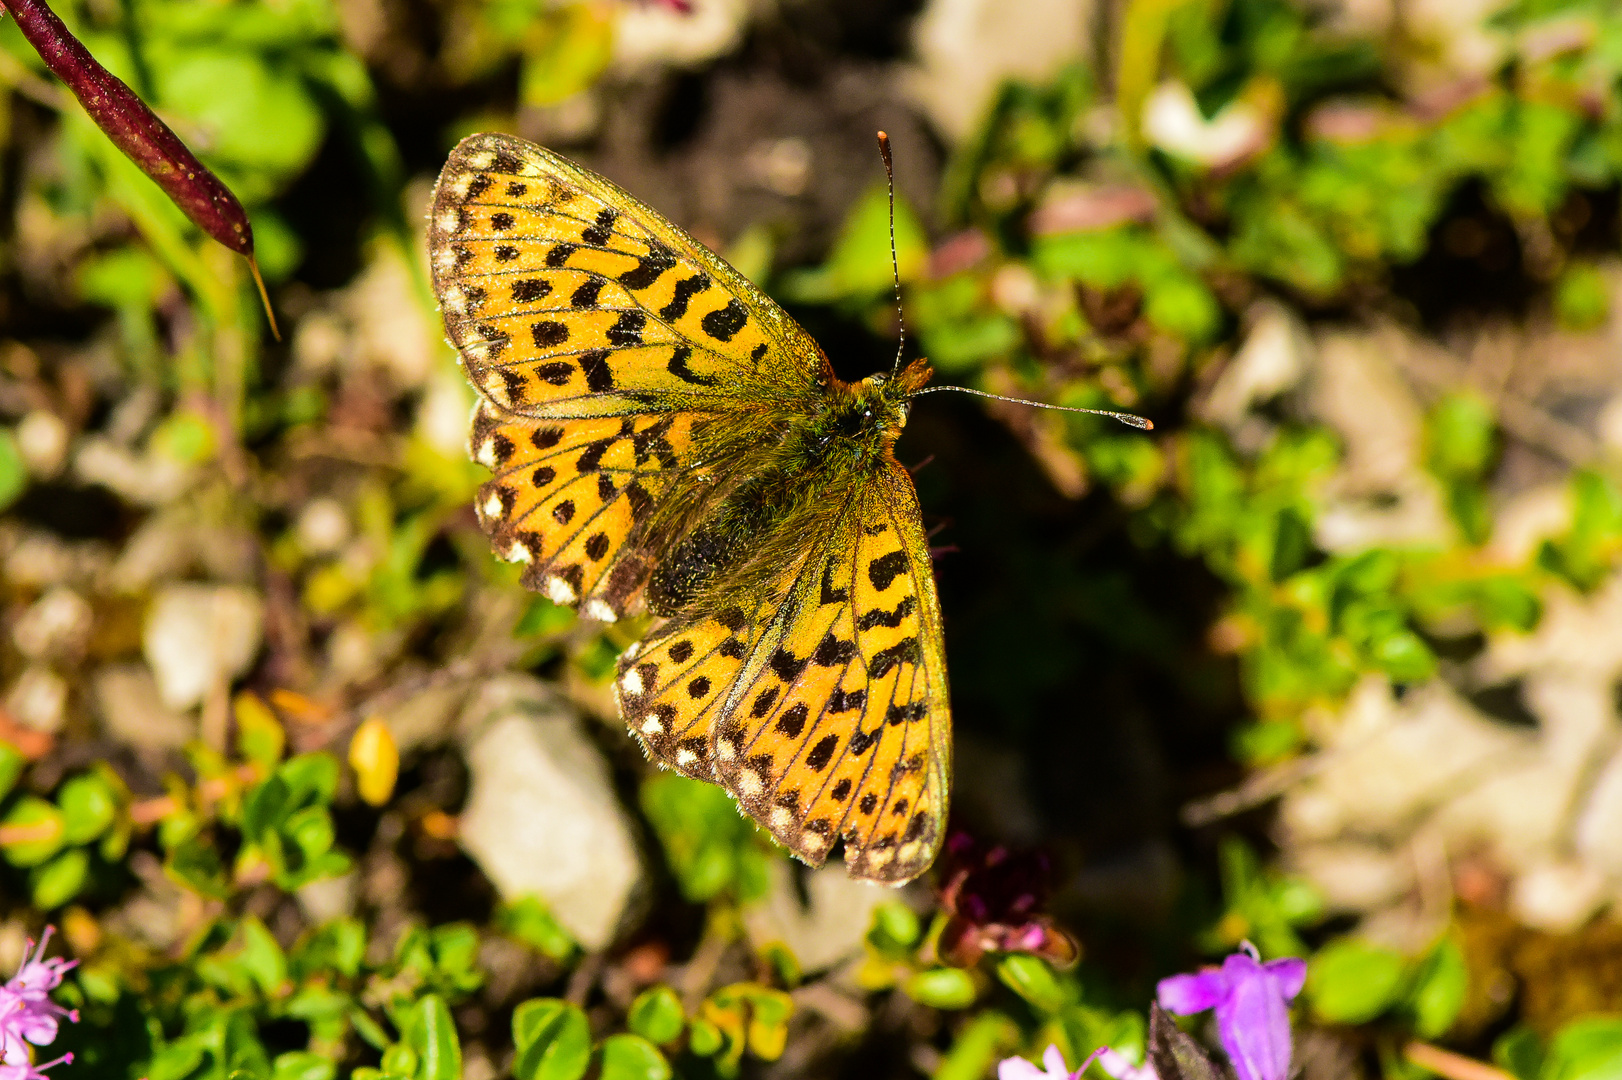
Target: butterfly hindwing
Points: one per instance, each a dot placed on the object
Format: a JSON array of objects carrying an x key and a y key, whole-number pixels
[
  {"x": 838, "y": 725},
  {"x": 565, "y": 496}
]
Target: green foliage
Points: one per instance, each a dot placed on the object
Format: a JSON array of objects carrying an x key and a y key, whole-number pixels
[
  {"x": 1352, "y": 982},
  {"x": 712, "y": 849}
]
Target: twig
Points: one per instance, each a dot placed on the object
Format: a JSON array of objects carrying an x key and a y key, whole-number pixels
[{"x": 1450, "y": 1065}]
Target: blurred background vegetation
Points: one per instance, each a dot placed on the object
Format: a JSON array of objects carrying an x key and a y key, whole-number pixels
[{"x": 1329, "y": 661}]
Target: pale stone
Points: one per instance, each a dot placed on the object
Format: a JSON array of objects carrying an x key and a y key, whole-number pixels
[
  {"x": 1394, "y": 761},
  {"x": 826, "y": 929},
  {"x": 42, "y": 438},
  {"x": 322, "y": 527},
  {"x": 1352, "y": 876},
  {"x": 142, "y": 479},
  {"x": 542, "y": 816},
  {"x": 38, "y": 699},
  {"x": 329, "y": 898},
  {"x": 1598, "y": 833},
  {"x": 1276, "y": 353},
  {"x": 651, "y": 36},
  {"x": 57, "y": 622},
  {"x": 966, "y": 49},
  {"x": 1174, "y": 122},
  {"x": 1558, "y": 896},
  {"x": 199, "y": 637},
  {"x": 132, "y": 711},
  {"x": 1357, "y": 391},
  {"x": 1527, "y": 519},
  {"x": 1576, "y": 633},
  {"x": 392, "y": 329}
]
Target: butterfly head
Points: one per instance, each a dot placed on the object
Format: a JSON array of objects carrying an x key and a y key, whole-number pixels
[{"x": 880, "y": 402}]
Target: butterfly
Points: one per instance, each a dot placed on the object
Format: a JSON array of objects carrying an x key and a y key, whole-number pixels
[{"x": 663, "y": 437}]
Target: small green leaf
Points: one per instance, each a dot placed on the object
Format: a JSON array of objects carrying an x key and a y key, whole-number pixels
[
  {"x": 553, "y": 1040},
  {"x": 528, "y": 920},
  {"x": 1439, "y": 990},
  {"x": 88, "y": 805},
  {"x": 895, "y": 928},
  {"x": 941, "y": 988},
  {"x": 768, "y": 1022},
  {"x": 32, "y": 832},
  {"x": 60, "y": 880},
  {"x": 12, "y": 764},
  {"x": 1350, "y": 982},
  {"x": 432, "y": 1034},
  {"x": 705, "y": 1038},
  {"x": 1032, "y": 980},
  {"x": 1585, "y": 1049},
  {"x": 302, "y": 1065},
  {"x": 657, "y": 1015},
  {"x": 13, "y": 470},
  {"x": 631, "y": 1057},
  {"x": 196, "y": 866},
  {"x": 1519, "y": 1052}
]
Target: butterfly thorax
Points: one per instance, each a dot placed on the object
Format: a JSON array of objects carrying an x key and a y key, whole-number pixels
[
  {"x": 858, "y": 423},
  {"x": 793, "y": 482}
]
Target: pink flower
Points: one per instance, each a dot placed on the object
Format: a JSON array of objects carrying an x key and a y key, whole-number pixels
[
  {"x": 1053, "y": 1067},
  {"x": 27, "y": 1013}
]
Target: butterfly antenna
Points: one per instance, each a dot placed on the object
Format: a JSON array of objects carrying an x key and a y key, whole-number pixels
[
  {"x": 895, "y": 267},
  {"x": 1129, "y": 419}
]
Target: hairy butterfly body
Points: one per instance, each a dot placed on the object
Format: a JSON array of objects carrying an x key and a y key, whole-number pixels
[{"x": 663, "y": 437}]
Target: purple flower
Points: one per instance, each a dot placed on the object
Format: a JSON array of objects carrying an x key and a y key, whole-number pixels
[
  {"x": 1252, "y": 1003},
  {"x": 27, "y": 1013}
]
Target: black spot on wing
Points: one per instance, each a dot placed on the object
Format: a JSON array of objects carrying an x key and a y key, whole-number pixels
[
  {"x": 560, "y": 254},
  {"x": 681, "y": 651},
  {"x": 892, "y": 619},
  {"x": 627, "y": 329},
  {"x": 556, "y": 373},
  {"x": 545, "y": 438},
  {"x": 686, "y": 289},
  {"x": 846, "y": 701},
  {"x": 594, "y": 362},
  {"x": 586, "y": 295},
  {"x": 598, "y": 233},
  {"x": 477, "y": 186},
  {"x": 792, "y": 722},
  {"x": 530, "y": 289},
  {"x": 505, "y": 162},
  {"x": 904, "y": 651},
  {"x": 882, "y": 571},
  {"x": 823, "y": 752},
  {"x": 549, "y": 333},
  {"x": 724, "y": 324},
  {"x": 501, "y": 221},
  {"x": 678, "y": 367},
  {"x": 832, "y": 652},
  {"x": 649, "y": 268}
]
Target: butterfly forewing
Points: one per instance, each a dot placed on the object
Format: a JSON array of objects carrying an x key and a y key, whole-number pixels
[
  {"x": 838, "y": 724},
  {"x": 567, "y": 297}
]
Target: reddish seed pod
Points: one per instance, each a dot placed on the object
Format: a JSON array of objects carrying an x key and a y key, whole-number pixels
[{"x": 137, "y": 131}]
